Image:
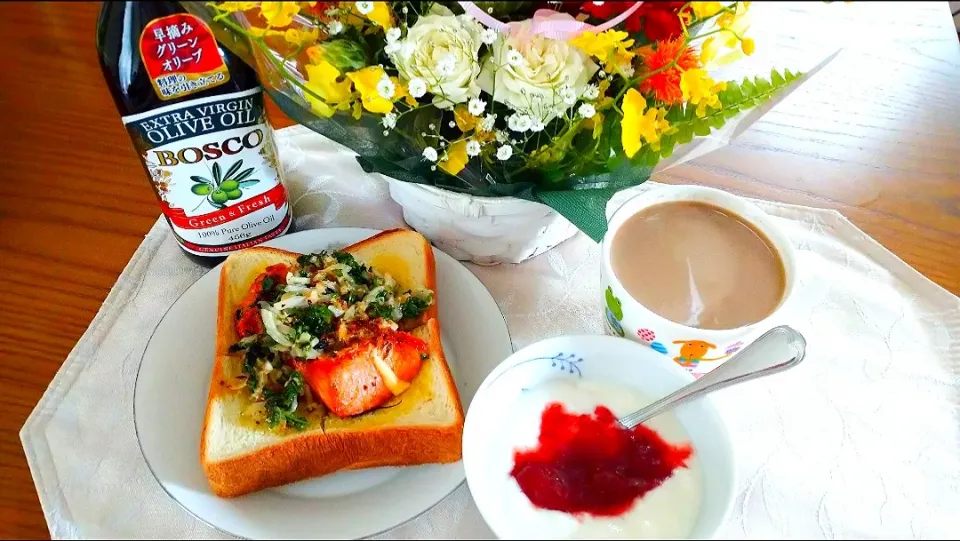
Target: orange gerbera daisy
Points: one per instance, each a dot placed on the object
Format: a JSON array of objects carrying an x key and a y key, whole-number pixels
[{"x": 665, "y": 85}]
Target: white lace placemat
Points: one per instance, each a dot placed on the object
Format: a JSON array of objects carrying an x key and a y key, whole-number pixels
[{"x": 861, "y": 441}]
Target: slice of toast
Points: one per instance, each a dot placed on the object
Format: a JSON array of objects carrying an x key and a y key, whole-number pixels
[{"x": 422, "y": 425}]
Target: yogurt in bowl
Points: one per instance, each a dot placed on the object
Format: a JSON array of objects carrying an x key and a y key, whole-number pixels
[{"x": 545, "y": 459}]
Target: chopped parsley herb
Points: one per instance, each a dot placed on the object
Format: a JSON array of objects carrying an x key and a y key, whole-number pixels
[
  {"x": 282, "y": 405},
  {"x": 414, "y": 306},
  {"x": 359, "y": 272},
  {"x": 315, "y": 320},
  {"x": 311, "y": 263},
  {"x": 267, "y": 283},
  {"x": 377, "y": 309},
  {"x": 255, "y": 352}
]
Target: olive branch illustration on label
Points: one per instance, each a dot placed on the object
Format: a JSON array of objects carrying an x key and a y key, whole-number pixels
[{"x": 224, "y": 187}]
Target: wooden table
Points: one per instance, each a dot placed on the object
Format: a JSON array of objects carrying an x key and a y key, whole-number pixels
[{"x": 876, "y": 135}]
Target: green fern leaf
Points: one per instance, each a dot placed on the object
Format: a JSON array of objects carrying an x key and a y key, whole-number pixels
[
  {"x": 674, "y": 114},
  {"x": 763, "y": 86},
  {"x": 776, "y": 78},
  {"x": 684, "y": 133},
  {"x": 667, "y": 143},
  {"x": 701, "y": 127}
]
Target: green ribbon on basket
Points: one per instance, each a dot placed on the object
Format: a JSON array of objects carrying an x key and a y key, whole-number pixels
[{"x": 585, "y": 209}]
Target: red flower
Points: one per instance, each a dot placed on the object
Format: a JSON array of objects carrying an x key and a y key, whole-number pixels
[
  {"x": 319, "y": 9},
  {"x": 658, "y": 20},
  {"x": 665, "y": 85}
]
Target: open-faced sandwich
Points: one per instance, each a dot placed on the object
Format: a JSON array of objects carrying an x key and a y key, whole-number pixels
[{"x": 327, "y": 362}]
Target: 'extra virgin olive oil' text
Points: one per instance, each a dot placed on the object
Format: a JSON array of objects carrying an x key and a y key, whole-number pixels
[{"x": 196, "y": 116}]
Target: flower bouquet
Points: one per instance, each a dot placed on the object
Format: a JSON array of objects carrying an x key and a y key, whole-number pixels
[{"x": 561, "y": 103}]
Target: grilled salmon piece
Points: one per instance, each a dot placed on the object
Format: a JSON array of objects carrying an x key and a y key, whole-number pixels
[{"x": 352, "y": 383}]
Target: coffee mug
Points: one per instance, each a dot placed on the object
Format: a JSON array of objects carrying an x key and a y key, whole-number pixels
[{"x": 697, "y": 350}]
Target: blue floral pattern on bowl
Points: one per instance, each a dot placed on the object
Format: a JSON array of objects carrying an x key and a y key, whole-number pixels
[{"x": 567, "y": 363}]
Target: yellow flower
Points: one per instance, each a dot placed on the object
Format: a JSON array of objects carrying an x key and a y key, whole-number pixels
[
  {"x": 456, "y": 158},
  {"x": 403, "y": 93},
  {"x": 638, "y": 124},
  {"x": 700, "y": 90},
  {"x": 279, "y": 14},
  {"x": 465, "y": 121},
  {"x": 365, "y": 81},
  {"x": 708, "y": 50},
  {"x": 322, "y": 81},
  {"x": 738, "y": 23},
  {"x": 726, "y": 47},
  {"x": 705, "y": 9},
  {"x": 380, "y": 15},
  {"x": 610, "y": 47},
  {"x": 300, "y": 37},
  {"x": 230, "y": 7}
]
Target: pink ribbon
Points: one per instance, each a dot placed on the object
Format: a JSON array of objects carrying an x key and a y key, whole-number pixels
[{"x": 549, "y": 23}]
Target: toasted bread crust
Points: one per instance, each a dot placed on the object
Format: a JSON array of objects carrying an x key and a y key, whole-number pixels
[{"x": 316, "y": 453}]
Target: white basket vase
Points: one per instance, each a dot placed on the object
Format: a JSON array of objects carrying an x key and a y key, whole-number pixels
[{"x": 482, "y": 230}]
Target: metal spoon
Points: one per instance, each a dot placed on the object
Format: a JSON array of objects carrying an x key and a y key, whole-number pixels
[{"x": 776, "y": 350}]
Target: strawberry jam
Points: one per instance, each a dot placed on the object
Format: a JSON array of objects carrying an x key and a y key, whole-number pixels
[{"x": 590, "y": 464}]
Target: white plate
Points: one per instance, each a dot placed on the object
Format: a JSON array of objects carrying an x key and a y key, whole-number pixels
[{"x": 171, "y": 394}]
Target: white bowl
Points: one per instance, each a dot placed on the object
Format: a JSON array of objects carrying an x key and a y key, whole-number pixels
[{"x": 606, "y": 360}]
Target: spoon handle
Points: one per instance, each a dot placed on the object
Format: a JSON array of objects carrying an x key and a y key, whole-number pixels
[{"x": 776, "y": 350}]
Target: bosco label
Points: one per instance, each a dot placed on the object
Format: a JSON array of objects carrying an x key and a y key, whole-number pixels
[{"x": 214, "y": 167}]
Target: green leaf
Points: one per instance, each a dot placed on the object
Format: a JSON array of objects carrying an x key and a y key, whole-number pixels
[
  {"x": 730, "y": 112},
  {"x": 244, "y": 174},
  {"x": 201, "y": 180},
  {"x": 667, "y": 143},
  {"x": 249, "y": 182},
  {"x": 747, "y": 88},
  {"x": 674, "y": 114},
  {"x": 216, "y": 174},
  {"x": 684, "y": 134},
  {"x": 233, "y": 169},
  {"x": 776, "y": 78},
  {"x": 763, "y": 86},
  {"x": 716, "y": 121},
  {"x": 651, "y": 158},
  {"x": 701, "y": 128},
  {"x": 731, "y": 93}
]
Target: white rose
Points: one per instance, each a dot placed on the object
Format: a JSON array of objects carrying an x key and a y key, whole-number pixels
[
  {"x": 532, "y": 86},
  {"x": 442, "y": 49}
]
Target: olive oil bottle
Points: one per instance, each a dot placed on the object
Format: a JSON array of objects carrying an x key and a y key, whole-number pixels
[{"x": 195, "y": 113}]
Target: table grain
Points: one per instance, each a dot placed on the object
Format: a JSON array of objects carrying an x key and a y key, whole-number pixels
[{"x": 875, "y": 135}]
